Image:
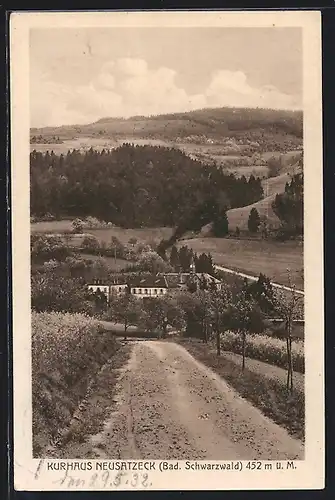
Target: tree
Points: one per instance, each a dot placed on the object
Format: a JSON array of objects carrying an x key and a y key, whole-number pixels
[
  {"x": 50, "y": 292},
  {"x": 159, "y": 313},
  {"x": 220, "y": 226},
  {"x": 244, "y": 317},
  {"x": 254, "y": 220},
  {"x": 174, "y": 258},
  {"x": 220, "y": 303},
  {"x": 117, "y": 247},
  {"x": 288, "y": 305},
  {"x": 124, "y": 309},
  {"x": 47, "y": 247},
  {"x": 132, "y": 241},
  {"x": 288, "y": 206},
  {"x": 76, "y": 267},
  {"x": 196, "y": 311},
  {"x": 91, "y": 244},
  {"x": 262, "y": 292},
  {"x": 264, "y": 226},
  {"x": 274, "y": 166},
  {"x": 78, "y": 226},
  {"x": 99, "y": 269},
  {"x": 151, "y": 262},
  {"x": 185, "y": 258},
  {"x": 204, "y": 263}
]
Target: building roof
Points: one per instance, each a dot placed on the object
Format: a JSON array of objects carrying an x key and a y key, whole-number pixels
[
  {"x": 148, "y": 282},
  {"x": 166, "y": 280},
  {"x": 98, "y": 283},
  {"x": 119, "y": 281}
]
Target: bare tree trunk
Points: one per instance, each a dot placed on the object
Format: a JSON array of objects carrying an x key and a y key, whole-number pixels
[
  {"x": 288, "y": 363},
  {"x": 125, "y": 331},
  {"x": 218, "y": 343},
  {"x": 206, "y": 327},
  {"x": 243, "y": 350},
  {"x": 291, "y": 365}
]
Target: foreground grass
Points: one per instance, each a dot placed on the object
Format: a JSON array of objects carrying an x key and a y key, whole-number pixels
[
  {"x": 269, "y": 395},
  {"x": 68, "y": 351},
  {"x": 267, "y": 349},
  {"x": 94, "y": 409}
]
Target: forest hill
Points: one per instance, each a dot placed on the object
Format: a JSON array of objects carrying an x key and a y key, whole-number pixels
[{"x": 137, "y": 186}]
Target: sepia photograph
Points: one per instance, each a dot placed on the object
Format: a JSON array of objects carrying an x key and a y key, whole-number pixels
[{"x": 166, "y": 242}]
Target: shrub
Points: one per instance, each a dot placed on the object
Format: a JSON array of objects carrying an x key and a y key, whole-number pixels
[
  {"x": 47, "y": 247},
  {"x": 58, "y": 293},
  {"x": 266, "y": 349},
  {"x": 67, "y": 351},
  {"x": 93, "y": 222}
]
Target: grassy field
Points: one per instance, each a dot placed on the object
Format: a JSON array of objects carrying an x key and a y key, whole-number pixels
[
  {"x": 249, "y": 256},
  {"x": 255, "y": 256},
  {"x": 147, "y": 234},
  {"x": 113, "y": 264},
  {"x": 238, "y": 217},
  {"x": 55, "y": 226}
]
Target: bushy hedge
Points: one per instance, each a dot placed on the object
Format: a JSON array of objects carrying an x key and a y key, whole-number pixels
[
  {"x": 266, "y": 349},
  {"x": 67, "y": 352}
]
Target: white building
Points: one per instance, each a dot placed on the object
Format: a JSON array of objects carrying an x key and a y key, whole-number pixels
[{"x": 152, "y": 286}]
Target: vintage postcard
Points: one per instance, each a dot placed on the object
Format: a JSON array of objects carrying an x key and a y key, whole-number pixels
[{"x": 167, "y": 250}]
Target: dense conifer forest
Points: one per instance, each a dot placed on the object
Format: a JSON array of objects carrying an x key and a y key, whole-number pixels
[{"x": 135, "y": 186}]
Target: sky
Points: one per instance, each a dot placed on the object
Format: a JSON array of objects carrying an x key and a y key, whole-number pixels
[{"x": 80, "y": 75}]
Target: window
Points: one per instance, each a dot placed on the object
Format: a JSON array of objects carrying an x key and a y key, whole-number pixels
[
  {"x": 146, "y": 291},
  {"x": 120, "y": 289},
  {"x": 155, "y": 290},
  {"x": 134, "y": 290},
  {"x": 161, "y": 290},
  {"x": 140, "y": 290}
]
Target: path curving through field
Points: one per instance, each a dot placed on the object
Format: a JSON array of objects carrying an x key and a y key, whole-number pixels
[{"x": 170, "y": 406}]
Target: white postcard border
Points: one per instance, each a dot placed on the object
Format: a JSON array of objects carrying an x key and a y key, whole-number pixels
[{"x": 309, "y": 474}]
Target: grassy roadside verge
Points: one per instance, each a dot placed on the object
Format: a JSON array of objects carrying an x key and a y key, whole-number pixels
[
  {"x": 94, "y": 409},
  {"x": 269, "y": 395},
  {"x": 68, "y": 353}
]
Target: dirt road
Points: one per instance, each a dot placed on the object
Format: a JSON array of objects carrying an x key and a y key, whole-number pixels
[{"x": 170, "y": 406}]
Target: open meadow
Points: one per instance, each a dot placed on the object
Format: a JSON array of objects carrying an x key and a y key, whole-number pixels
[
  {"x": 250, "y": 256},
  {"x": 147, "y": 234},
  {"x": 112, "y": 263},
  {"x": 271, "y": 258},
  {"x": 238, "y": 217}
]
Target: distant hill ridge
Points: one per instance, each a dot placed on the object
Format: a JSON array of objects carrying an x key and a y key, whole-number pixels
[{"x": 215, "y": 122}]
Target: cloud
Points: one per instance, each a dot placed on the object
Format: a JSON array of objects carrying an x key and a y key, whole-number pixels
[
  {"x": 231, "y": 88},
  {"x": 127, "y": 87}
]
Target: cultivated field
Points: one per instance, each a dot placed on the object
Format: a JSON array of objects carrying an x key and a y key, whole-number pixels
[{"x": 255, "y": 256}]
